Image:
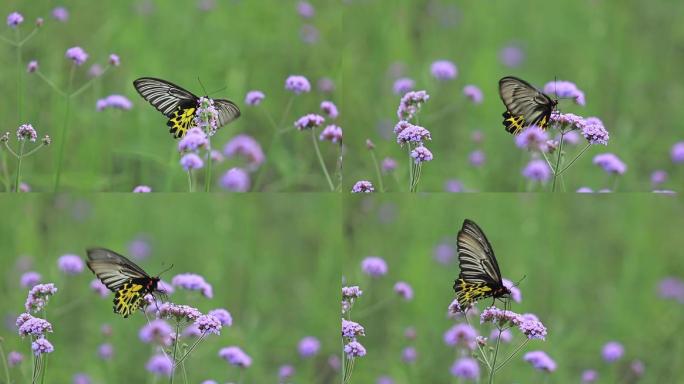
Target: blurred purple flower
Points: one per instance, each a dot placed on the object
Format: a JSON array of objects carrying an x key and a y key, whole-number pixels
[
  {"x": 193, "y": 282},
  {"x": 60, "y": 14},
  {"x": 473, "y": 93},
  {"x": 569, "y": 120},
  {"x": 254, "y": 98},
  {"x": 677, "y": 152},
  {"x": 309, "y": 34},
  {"x": 14, "y": 19},
  {"x": 330, "y": 109},
  {"x": 384, "y": 380},
  {"x": 114, "y": 101},
  {"x": 285, "y": 372},
  {"x": 570, "y": 137},
  {"x": 191, "y": 161},
  {"x": 32, "y": 66},
  {"x": 532, "y": 138},
  {"x": 309, "y": 346},
  {"x": 409, "y": 355},
  {"x": 29, "y": 279},
  {"x": 114, "y": 60},
  {"x": 444, "y": 253},
  {"x": 410, "y": 104},
  {"x": 81, "y": 378},
  {"x": 160, "y": 365},
  {"x": 70, "y": 264},
  {"x": 208, "y": 324},
  {"x": 309, "y": 121},
  {"x": 421, "y": 154},
  {"x": 506, "y": 335},
  {"x": 297, "y": 84},
  {"x": 610, "y": 163},
  {"x": 565, "y": 89},
  {"x": 511, "y": 56},
  {"x": 403, "y": 85},
  {"x": 374, "y": 266},
  {"x": 41, "y": 346},
  {"x": 235, "y": 356},
  {"x": 637, "y": 367},
  {"x": 26, "y": 131},
  {"x": 77, "y": 55},
  {"x": 156, "y": 331},
  {"x": 612, "y": 351},
  {"x": 460, "y": 334},
  {"x": 672, "y": 288},
  {"x": 589, "y": 376},
  {"x": 388, "y": 165},
  {"x": 223, "y": 316},
  {"x": 95, "y": 70},
  {"x": 105, "y": 351},
  {"x": 331, "y": 133},
  {"x": 516, "y": 295},
  {"x": 140, "y": 248},
  {"x": 352, "y": 329},
  {"x": 235, "y": 180},
  {"x": 658, "y": 177},
  {"x": 410, "y": 333},
  {"x": 584, "y": 190},
  {"x": 193, "y": 140},
  {"x": 443, "y": 70},
  {"x": 404, "y": 290},
  {"x": 206, "y": 5},
  {"x": 466, "y": 368},
  {"x": 326, "y": 85},
  {"x": 363, "y": 186},
  {"x": 14, "y": 358},
  {"x": 537, "y": 170},
  {"x": 532, "y": 328},
  {"x": 540, "y": 361},
  {"x": 453, "y": 186},
  {"x": 99, "y": 288},
  {"x": 499, "y": 316},
  {"x": 142, "y": 189},
  {"x": 305, "y": 9},
  {"x": 335, "y": 363},
  {"x": 354, "y": 349},
  {"x": 247, "y": 147},
  {"x": 477, "y": 158}
]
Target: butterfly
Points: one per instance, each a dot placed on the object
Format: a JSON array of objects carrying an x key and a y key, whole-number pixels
[
  {"x": 480, "y": 276},
  {"x": 126, "y": 279},
  {"x": 180, "y": 105},
  {"x": 525, "y": 105}
]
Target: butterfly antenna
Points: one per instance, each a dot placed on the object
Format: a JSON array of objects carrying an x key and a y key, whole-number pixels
[
  {"x": 166, "y": 270},
  {"x": 202, "y": 85},
  {"x": 519, "y": 281},
  {"x": 218, "y": 90}
]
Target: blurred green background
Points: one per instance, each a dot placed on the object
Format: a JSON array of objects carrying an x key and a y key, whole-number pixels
[
  {"x": 273, "y": 263},
  {"x": 240, "y": 45},
  {"x": 625, "y": 56},
  {"x": 591, "y": 269}
]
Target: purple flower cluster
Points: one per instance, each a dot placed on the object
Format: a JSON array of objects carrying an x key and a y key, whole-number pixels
[
  {"x": 235, "y": 180},
  {"x": 32, "y": 66},
  {"x": 374, "y": 266},
  {"x": 77, "y": 55},
  {"x": 444, "y": 70},
  {"x": 410, "y": 104},
  {"x": 29, "y": 279},
  {"x": 191, "y": 161},
  {"x": 99, "y": 288},
  {"x": 610, "y": 163},
  {"x": 592, "y": 128},
  {"x": 532, "y": 138},
  {"x": 672, "y": 288},
  {"x": 41, "y": 346},
  {"x": 114, "y": 60},
  {"x": 14, "y": 19},
  {"x": 388, "y": 165},
  {"x": 473, "y": 93},
  {"x": 193, "y": 140},
  {"x": 516, "y": 295},
  {"x": 206, "y": 116},
  {"x": 612, "y": 351},
  {"x": 179, "y": 312},
  {"x": 247, "y": 147},
  {"x": 409, "y": 133},
  {"x": 209, "y": 324},
  {"x": 404, "y": 290},
  {"x": 70, "y": 264},
  {"x": 160, "y": 365},
  {"x": 537, "y": 170},
  {"x": 677, "y": 153},
  {"x": 32, "y": 326},
  {"x": 60, "y": 14},
  {"x": 193, "y": 282},
  {"x": 305, "y": 9},
  {"x": 309, "y": 121},
  {"x": 38, "y": 297},
  {"x": 351, "y": 292},
  {"x": 254, "y": 98},
  {"x": 511, "y": 56},
  {"x": 354, "y": 349},
  {"x": 297, "y": 84},
  {"x": 331, "y": 133},
  {"x": 540, "y": 361},
  {"x": 26, "y": 131},
  {"x": 308, "y": 346},
  {"x": 466, "y": 368},
  {"x": 363, "y": 186},
  {"x": 403, "y": 85},
  {"x": 14, "y": 358},
  {"x": 114, "y": 101},
  {"x": 105, "y": 351},
  {"x": 528, "y": 324},
  {"x": 235, "y": 356},
  {"x": 156, "y": 331},
  {"x": 223, "y": 316},
  {"x": 565, "y": 89},
  {"x": 352, "y": 329},
  {"x": 329, "y": 109},
  {"x": 461, "y": 334},
  {"x": 421, "y": 154}
]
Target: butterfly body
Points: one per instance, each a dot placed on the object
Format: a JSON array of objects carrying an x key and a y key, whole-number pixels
[
  {"x": 128, "y": 281},
  {"x": 480, "y": 276},
  {"x": 180, "y": 105},
  {"x": 525, "y": 105}
]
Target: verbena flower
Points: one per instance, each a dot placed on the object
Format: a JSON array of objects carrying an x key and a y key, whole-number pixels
[
  {"x": 658, "y": 177},
  {"x": 14, "y": 19},
  {"x": 95, "y": 70},
  {"x": 156, "y": 331},
  {"x": 326, "y": 85},
  {"x": 612, "y": 351},
  {"x": 410, "y": 104},
  {"x": 206, "y": 116},
  {"x": 247, "y": 147},
  {"x": 584, "y": 190},
  {"x": 81, "y": 378},
  {"x": 460, "y": 334},
  {"x": 352, "y": 329},
  {"x": 537, "y": 170},
  {"x": 41, "y": 346},
  {"x": 505, "y": 335},
  {"x": 589, "y": 376},
  {"x": 285, "y": 371},
  {"x": 594, "y": 131},
  {"x": 14, "y": 358},
  {"x": 404, "y": 290},
  {"x": 105, "y": 351},
  {"x": 388, "y": 165},
  {"x": 305, "y": 9},
  {"x": 308, "y": 346},
  {"x": 501, "y": 317},
  {"x": 444, "y": 253},
  {"x": 115, "y": 102},
  {"x": 511, "y": 56},
  {"x": 610, "y": 163},
  {"x": 565, "y": 89},
  {"x": 331, "y": 133},
  {"x": 32, "y": 66},
  {"x": 401, "y": 126},
  {"x": 637, "y": 367},
  {"x": 454, "y": 186},
  {"x": 473, "y": 93},
  {"x": 677, "y": 153},
  {"x": 540, "y": 361},
  {"x": 532, "y": 328},
  {"x": 254, "y": 98},
  {"x": 191, "y": 331},
  {"x": 160, "y": 365},
  {"x": 413, "y": 134},
  {"x": 235, "y": 180},
  {"x": 140, "y": 248},
  {"x": 351, "y": 292},
  {"x": 443, "y": 70},
  {"x": 26, "y": 131},
  {"x": 568, "y": 120},
  {"x": 354, "y": 349},
  {"x": 223, "y": 316},
  {"x": 671, "y": 288},
  {"x": 403, "y": 85},
  {"x": 421, "y": 154},
  {"x": 209, "y": 324},
  {"x": 235, "y": 356},
  {"x": 516, "y": 295},
  {"x": 77, "y": 55},
  {"x": 142, "y": 189},
  {"x": 409, "y": 355},
  {"x": 38, "y": 297},
  {"x": 569, "y": 138},
  {"x": 532, "y": 138},
  {"x": 329, "y": 109},
  {"x": 297, "y": 84},
  {"x": 178, "y": 312},
  {"x": 374, "y": 266},
  {"x": 193, "y": 282},
  {"x": 35, "y": 326},
  {"x": 191, "y": 161},
  {"x": 363, "y": 186},
  {"x": 114, "y": 60},
  {"x": 477, "y": 158},
  {"x": 70, "y": 264},
  {"x": 193, "y": 140},
  {"x": 60, "y": 14},
  {"x": 29, "y": 279},
  {"x": 99, "y": 288},
  {"x": 309, "y": 121},
  {"x": 466, "y": 368},
  {"x": 384, "y": 380}
]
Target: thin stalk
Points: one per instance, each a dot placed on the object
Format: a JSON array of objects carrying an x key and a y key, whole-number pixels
[
  {"x": 19, "y": 77},
  {"x": 521, "y": 346},
  {"x": 189, "y": 180},
  {"x": 9, "y": 149},
  {"x": 410, "y": 167},
  {"x": 192, "y": 348},
  {"x": 34, "y": 150},
  {"x": 5, "y": 173},
  {"x": 496, "y": 352},
  {"x": 320, "y": 160},
  {"x": 62, "y": 144},
  {"x": 175, "y": 348},
  {"x": 4, "y": 363},
  {"x": 42, "y": 373},
  {"x": 482, "y": 352},
  {"x": 50, "y": 83},
  {"x": 377, "y": 170},
  {"x": 575, "y": 159},
  {"x": 185, "y": 373},
  {"x": 548, "y": 162},
  {"x": 558, "y": 160},
  {"x": 21, "y": 157},
  {"x": 207, "y": 183}
]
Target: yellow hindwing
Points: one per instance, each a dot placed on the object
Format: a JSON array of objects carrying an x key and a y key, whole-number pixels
[
  {"x": 180, "y": 121},
  {"x": 127, "y": 299}
]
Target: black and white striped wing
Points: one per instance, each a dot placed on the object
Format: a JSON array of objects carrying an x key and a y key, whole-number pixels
[
  {"x": 227, "y": 111},
  {"x": 163, "y": 95},
  {"x": 113, "y": 270},
  {"x": 476, "y": 256},
  {"x": 522, "y": 99}
]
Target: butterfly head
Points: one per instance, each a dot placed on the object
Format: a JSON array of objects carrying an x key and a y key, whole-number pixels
[{"x": 152, "y": 284}]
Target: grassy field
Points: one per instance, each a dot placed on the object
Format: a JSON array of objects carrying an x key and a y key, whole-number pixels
[
  {"x": 622, "y": 54},
  {"x": 591, "y": 270},
  {"x": 233, "y": 47},
  {"x": 273, "y": 264}
]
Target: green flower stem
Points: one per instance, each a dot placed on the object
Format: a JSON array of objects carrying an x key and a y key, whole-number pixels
[
  {"x": 558, "y": 161},
  {"x": 496, "y": 353},
  {"x": 5, "y": 172},
  {"x": 34, "y": 150},
  {"x": 42, "y": 373},
  {"x": 175, "y": 348},
  {"x": 377, "y": 170},
  {"x": 207, "y": 182},
  {"x": 189, "y": 351},
  {"x": 410, "y": 167},
  {"x": 4, "y": 362},
  {"x": 189, "y": 180},
  {"x": 521, "y": 346},
  {"x": 21, "y": 157},
  {"x": 575, "y": 159},
  {"x": 320, "y": 160},
  {"x": 50, "y": 83},
  {"x": 20, "y": 76}
]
